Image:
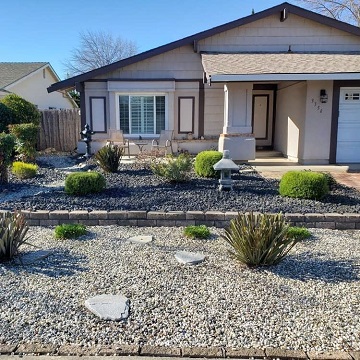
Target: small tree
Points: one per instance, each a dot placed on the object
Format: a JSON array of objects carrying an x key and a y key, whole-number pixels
[
  {"x": 7, "y": 143},
  {"x": 26, "y": 137},
  {"x": 23, "y": 111},
  {"x": 345, "y": 10},
  {"x": 98, "y": 49},
  {"x": 6, "y": 117}
]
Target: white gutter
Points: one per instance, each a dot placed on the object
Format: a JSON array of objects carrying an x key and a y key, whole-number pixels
[{"x": 283, "y": 77}]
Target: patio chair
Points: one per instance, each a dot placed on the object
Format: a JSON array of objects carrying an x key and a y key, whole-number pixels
[
  {"x": 164, "y": 141},
  {"x": 117, "y": 138}
]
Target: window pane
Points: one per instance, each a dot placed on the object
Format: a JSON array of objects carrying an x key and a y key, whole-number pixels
[
  {"x": 160, "y": 114},
  {"x": 124, "y": 114},
  {"x": 148, "y": 115},
  {"x": 135, "y": 103}
]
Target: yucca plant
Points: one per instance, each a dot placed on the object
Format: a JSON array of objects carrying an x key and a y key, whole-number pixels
[
  {"x": 259, "y": 239},
  {"x": 13, "y": 228},
  {"x": 109, "y": 157}
]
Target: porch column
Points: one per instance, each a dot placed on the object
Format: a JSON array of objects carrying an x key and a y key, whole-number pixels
[{"x": 237, "y": 134}]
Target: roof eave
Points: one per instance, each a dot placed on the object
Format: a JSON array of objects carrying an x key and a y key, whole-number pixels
[{"x": 221, "y": 78}]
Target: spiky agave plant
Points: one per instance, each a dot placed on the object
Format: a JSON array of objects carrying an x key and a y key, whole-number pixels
[
  {"x": 13, "y": 229},
  {"x": 109, "y": 157},
  {"x": 259, "y": 239}
]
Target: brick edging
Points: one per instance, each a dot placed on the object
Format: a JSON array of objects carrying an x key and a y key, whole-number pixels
[
  {"x": 185, "y": 352},
  {"x": 180, "y": 218}
]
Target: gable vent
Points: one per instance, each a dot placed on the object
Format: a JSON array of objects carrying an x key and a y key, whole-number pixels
[{"x": 283, "y": 14}]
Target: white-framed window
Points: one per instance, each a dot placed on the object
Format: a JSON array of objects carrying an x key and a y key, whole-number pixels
[
  {"x": 352, "y": 95},
  {"x": 142, "y": 114}
]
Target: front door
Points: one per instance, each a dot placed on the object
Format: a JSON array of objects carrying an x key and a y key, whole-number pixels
[{"x": 262, "y": 118}]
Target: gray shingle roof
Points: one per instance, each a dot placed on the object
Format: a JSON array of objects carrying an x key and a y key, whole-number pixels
[
  {"x": 284, "y": 63},
  {"x": 13, "y": 71}
]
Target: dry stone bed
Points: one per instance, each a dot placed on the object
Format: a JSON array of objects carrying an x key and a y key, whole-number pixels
[{"x": 309, "y": 302}]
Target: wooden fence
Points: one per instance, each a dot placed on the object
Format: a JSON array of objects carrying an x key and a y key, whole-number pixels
[{"x": 59, "y": 129}]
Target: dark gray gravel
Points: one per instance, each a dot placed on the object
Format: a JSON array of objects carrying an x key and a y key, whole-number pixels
[{"x": 136, "y": 188}]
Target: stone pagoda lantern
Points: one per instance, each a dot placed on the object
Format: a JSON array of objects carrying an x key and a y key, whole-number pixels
[{"x": 225, "y": 166}]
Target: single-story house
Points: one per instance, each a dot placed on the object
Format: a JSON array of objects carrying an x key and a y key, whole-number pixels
[
  {"x": 286, "y": 79},
  {"x": 30, "y": 80}
]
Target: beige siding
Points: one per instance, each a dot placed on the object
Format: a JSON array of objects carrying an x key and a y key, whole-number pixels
[
  {"x": 34, "y": 89},
  {"x": 214, "y": 109},
  {"x": 318, "y": 124},
  {"x": 181, "y": 63},
  {"x": 290, "y": 116},
  {"x": 270, "y": 34}
]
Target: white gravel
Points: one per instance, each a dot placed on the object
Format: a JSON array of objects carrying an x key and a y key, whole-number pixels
[{"x": 310, "y": 301}]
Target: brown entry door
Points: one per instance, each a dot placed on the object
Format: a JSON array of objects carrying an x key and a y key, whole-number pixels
[{"x": 262, "y": 121}]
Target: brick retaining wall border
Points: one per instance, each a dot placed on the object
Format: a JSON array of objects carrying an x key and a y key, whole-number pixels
[
  {"x": 185, "y": 352},
  {"x": 349, "y": 221}
]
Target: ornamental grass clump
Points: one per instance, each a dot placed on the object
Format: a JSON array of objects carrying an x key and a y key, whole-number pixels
[
  {"x": 69, "y": 231},
  {"x": 304, "y": 185},
  {"x": 259, "y": 239},
  {"x": 205, "y": 161},
  {"x": 109, "y": 157},
  {"x": 83, "y": 183},
  {"x": 24, "y": 170},
  {"x": 173, "y": 169},
  {"x": 299, "y": 233},
  {"x": 13, "y": 229},
  {"x": 197, "y": 232}
]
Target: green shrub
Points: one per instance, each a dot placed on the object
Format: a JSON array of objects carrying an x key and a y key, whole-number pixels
[
  {"x": 109, "y": 157},
  {"x": 83, "y": 183},
  {"x": 304, "y": 185},
  {"x": 26, "y": 137},
  {"x": 69, "y": 231},
  {"x": 205, "y": 161},
  {"x": 7, "y": 143},
  {"x": 24, "y": 170},
  {"x": 13, "y": 228},
  {"x": 173, "y": 169},
  {"x": 197, "y": 232},
  {"x": 259, "y": 239},
  {"x": 298, "y": 233},
  {"x": 330, "y": 180},
  {"x": 6, "y": 117},
  {"x": 23, "y": 111}
]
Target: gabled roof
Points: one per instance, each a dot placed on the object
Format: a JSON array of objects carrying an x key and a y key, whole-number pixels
[
  {"x": 193, "y": 39},
  {"x": 11, "y": 72}
]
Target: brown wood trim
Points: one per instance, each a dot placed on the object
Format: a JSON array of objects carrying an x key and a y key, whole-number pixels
[
  {"x": 80, "y": 88},
  {"x": 335, "y": 114},
  {"x": 193, "y": 114},
  {"x": 201, "y": 125},
  {"x": 91, "y": 114},
  {"x": 267, "y": 115},
  {"x": 264, "y": 86}
]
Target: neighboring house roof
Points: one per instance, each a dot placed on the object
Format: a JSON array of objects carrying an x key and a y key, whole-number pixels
[
  {"x": 193, "y": 39},
  {"x": 11, "y": 72},
  {"x": 281, "y": 66}
]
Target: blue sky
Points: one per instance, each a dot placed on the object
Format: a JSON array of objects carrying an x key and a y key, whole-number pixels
[{"x": 47, "y": 30}]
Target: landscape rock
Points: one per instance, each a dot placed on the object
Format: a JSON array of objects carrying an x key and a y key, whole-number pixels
[
  {"x": 109, "y": 307},
  {"x": 141, "y": 239},
  {"x": 32, "y": 257},
  {"x": 190, "y": 258}
]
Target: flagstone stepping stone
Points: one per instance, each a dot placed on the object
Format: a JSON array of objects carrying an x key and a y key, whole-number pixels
[
  {"x": 109, "y": 307},
  {"x": 32, "y": 257},
  {"x": 141, "y": 239},
  {"x": 190, "y": 258}
]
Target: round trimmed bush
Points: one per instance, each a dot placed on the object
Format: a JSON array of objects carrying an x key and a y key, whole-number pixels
[
  {"x": 204, "y": 162},
  {"x": 83, "y": 183},
  {"x": 304, "y": 185}
]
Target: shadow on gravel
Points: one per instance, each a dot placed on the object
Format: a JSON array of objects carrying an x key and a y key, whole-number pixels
[
  {"x": 59, "y": 264},
  {"x": 306, "y": 268}
]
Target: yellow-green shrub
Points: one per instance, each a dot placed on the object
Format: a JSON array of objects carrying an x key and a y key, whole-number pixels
[
  {"x": 204, "y": 162},
  {"x": 24, "y": 170}
]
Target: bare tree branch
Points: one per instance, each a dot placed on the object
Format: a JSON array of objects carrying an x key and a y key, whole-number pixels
[
  {"x": 98, "y": 49},
  {"x": 345, "y": 10}
]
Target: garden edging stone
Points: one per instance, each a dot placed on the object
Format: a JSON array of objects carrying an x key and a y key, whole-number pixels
[
  {"x": 151, "y": 218},
  {"x": 162, "y": 351}
]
